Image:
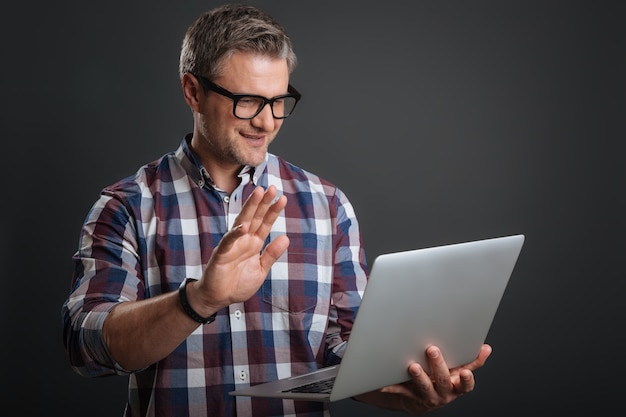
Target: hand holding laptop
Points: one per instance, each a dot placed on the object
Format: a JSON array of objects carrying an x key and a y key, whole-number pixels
[
  {"x": 427, "y": 391},
  {"x": 417, "y": 304}
]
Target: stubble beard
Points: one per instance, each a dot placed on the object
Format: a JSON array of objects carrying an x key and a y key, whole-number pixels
[{"x": 233, "y": 154}]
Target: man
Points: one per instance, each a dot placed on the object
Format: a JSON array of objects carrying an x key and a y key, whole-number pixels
[{"x": 221, "y": 265}]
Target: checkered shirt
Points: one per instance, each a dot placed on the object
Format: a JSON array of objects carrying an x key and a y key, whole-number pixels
[{"x": 148, "y": 232}]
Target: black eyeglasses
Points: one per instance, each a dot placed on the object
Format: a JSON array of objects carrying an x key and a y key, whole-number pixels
[{"x": 248, "y": 106}]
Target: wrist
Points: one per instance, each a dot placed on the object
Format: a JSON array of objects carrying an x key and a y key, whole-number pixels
[{"x": 186, "y": 305}]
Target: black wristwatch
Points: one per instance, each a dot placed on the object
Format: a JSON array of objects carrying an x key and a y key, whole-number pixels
[{"x": 182, "y": 294}]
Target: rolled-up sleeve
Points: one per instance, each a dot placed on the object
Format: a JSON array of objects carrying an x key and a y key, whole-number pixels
[{"x": 106, "y": 273}]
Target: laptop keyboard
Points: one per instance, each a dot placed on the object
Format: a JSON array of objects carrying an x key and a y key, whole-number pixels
[{"x": 323, "y": 386}]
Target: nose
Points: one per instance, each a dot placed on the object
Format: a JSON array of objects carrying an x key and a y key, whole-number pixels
[{"x": 264, "y": 120}]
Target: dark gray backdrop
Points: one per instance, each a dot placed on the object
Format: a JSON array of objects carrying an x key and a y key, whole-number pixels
[{"x": 443, "y": 121}]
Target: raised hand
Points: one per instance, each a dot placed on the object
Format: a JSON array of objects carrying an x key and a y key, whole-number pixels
[{"x": 239, "y": 264}]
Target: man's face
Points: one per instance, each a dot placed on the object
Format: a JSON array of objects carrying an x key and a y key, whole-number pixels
[{"x": 223, "y": 138}]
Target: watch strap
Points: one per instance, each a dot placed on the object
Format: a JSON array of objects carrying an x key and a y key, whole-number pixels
[{"x": 184, "y": 301}]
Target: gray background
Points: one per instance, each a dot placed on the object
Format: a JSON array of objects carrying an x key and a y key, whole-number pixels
[{"x": 443, "y": 121}]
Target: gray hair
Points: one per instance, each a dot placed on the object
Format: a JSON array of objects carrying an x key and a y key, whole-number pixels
[{"x": 218, "y": 33}]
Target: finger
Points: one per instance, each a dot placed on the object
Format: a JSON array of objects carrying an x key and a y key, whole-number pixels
[
  {"x": 420, "y": 384},
  {"x": 481, "y": 358},
  {"x": 256, "y": 217},
  {"x": 421, "y": 380},
  {"x": 250, "y": 206},
  {"x": 440, "y": 374},
  {"x": 273, "y": 251},
  {"x": 262, "y": 208},
  {"x": 229, "y": 239},
  {"x": 272, "y": 213},
  {"x": 465, "y": 382},
  {"x": 483, "y": 355}
]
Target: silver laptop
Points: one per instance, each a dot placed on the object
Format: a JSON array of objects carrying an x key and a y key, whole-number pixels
[{"x": 444, "y": 295}]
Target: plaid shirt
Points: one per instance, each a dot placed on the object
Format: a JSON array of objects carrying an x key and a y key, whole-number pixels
[{"x": 148, "y": 232}]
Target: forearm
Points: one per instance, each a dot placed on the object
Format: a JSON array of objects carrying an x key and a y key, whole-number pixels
[{"x": 140, "y": 333}]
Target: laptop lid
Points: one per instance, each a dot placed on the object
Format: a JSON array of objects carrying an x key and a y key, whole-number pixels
[{"x": 444, "y": 295}]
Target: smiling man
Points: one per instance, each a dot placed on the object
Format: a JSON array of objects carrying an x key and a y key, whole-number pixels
[
  {"x": 235, "y": 130},
  {"x": 221, "y": 265}
]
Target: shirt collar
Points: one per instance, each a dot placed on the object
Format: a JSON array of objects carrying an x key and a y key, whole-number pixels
[{"x": 198, "y": 173}]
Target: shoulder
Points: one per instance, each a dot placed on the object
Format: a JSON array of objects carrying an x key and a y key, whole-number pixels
[
  {"x": 147, "y": 176},
  {"x": 151, "y": 180}
]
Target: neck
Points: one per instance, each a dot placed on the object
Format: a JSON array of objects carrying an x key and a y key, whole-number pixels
[
  {"x": 226, "y": 180},
  {"x": 225, "y": 175}
]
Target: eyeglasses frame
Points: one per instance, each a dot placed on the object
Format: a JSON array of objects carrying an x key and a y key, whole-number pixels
[{"x": 235, "y": 97}]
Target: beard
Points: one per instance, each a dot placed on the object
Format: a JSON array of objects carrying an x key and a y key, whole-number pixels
[
  {"x": 229, "y": 144},
  {"x": 232, "y": 152}
]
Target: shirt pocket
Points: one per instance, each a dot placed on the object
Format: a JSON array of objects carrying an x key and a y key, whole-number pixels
[{"x": 301, "y": 277}]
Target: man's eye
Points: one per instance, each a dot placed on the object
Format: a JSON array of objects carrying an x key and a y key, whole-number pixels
[{"x": 248, "y": 101}]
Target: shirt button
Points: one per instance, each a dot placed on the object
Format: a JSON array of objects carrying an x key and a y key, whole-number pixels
[
  {"x": 238, "y": 314},
  {"x": 226, "y": 199},
  {"x": 243, "y": 375}
]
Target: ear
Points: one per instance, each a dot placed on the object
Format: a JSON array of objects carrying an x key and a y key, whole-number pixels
[{"x": 192, "y": 91}]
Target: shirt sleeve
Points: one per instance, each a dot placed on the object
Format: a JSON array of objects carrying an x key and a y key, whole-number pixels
[
  {"x": 106, "y": 273},
  {"x": 349, "y": 279}
]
